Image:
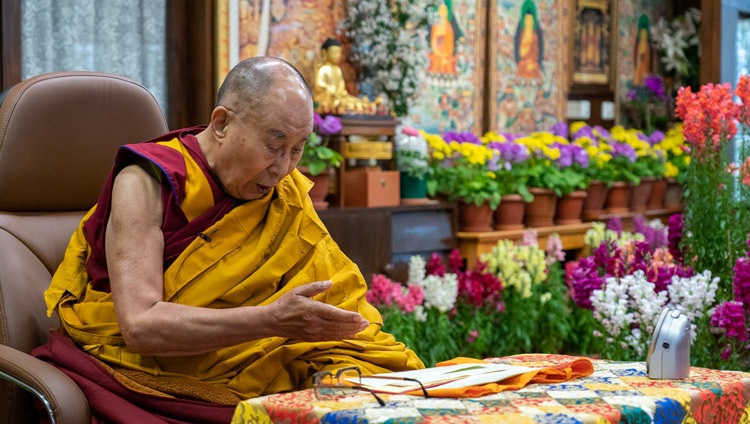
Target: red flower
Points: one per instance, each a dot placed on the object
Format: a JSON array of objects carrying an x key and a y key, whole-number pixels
[{"x": 710, "y": 116}]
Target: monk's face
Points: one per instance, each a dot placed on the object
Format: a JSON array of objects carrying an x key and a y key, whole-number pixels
[{"x": 262, "y": 147}]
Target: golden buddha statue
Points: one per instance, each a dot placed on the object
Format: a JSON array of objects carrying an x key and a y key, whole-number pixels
[{"x": 330, "y": 91}]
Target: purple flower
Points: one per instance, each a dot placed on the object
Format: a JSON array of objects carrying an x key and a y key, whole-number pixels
[
  {"x": 583, "y": 280},
  {"x": 674, "y": 236},
  {"x": 656, "y": 137},
  {"x": 624, "y": 150},
  {"x": 601, "y": 132},
  {"x": 561, "y": 129},
  {"x": 584, "y": 131},
  {"x": 510, "y": 152},
  {"x": 464, "y": 137},
  {"x": 655, "y": 85},
  {"x": 655, "y": 237},
  {"x": 615, "y": 224},
  {"x": 742, "y": 280},
  {"x": 731, "y": 317},
  {"x": 631, "y": 95},
  {"x": 326, "y": 126}
]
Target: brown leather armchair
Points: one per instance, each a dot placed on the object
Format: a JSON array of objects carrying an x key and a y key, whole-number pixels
[{"x": 58, "y": 136}]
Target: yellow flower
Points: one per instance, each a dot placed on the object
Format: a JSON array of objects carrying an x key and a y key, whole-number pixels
[{"x": 671, "y": 170}]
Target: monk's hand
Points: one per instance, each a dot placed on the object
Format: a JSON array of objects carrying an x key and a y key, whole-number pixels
[{"x": 299, "y": 317}]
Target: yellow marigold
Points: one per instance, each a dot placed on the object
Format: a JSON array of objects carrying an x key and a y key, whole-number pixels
[
  {"x": 670, "y": 170},
  {"x": 577, "y": 125},
  {"x": 492, "y": 136}
]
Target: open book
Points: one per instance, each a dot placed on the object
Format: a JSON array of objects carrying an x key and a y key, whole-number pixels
[{"x": 448, "y": 377}]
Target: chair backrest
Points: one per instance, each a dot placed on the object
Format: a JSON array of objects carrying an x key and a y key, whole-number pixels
[{"x": 58, "y": 137}]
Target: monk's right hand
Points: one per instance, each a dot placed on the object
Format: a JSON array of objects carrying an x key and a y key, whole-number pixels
[{"x": 297, "y": 316}]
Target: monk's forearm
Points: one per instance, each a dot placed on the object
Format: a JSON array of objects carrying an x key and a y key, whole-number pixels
[{"x": 170, "y": 329}]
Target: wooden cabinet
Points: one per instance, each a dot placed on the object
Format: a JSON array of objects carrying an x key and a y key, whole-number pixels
[
  {"x": 382, "y": 240},
  {"x": 379, "y": 130}
]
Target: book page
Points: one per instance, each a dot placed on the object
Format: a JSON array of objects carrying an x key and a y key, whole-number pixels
[{"x": 452, "y": 376}]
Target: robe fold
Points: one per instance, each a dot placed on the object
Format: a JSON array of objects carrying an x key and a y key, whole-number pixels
[{"x": 248, "y": 254}]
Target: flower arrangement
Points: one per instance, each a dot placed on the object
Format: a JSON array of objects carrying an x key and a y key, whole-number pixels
[
  {"x": 594, "y": 141},
  {"x": 317, "y": 156},
  {"x": 512, "y": 172},
  {"x": 463, "y": 168},
  {"x": 532, "y": 283},
  {"x": 621, "y": 165},
  {"x": 649, "y": 106},
  {"x": 677, "y": 157},
  {"x": 715, "y": 237},
  {"x": 554, "y": 163},
  {"x": 388, "y": 44},
  {"x": 650, "y": 160},
  {"x": 445, "y": 310},
  {"x": 678, "y": 44},
  {"x": 411, "y": 153}
]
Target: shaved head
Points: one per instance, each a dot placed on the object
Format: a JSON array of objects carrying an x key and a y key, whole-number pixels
[{"x": 248, "y": 84}]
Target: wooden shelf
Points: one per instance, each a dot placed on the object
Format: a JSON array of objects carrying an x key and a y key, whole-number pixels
[{"x": 474, "y": 245}]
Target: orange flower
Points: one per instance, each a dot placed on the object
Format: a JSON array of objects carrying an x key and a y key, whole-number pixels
[{"x": 709, "y": 116}]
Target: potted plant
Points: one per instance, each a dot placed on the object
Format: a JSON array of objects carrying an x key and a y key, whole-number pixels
[
  {"x": 647, "y": 166},
  {"x": 512, "y": 176},
  {"x": 463, "y": 170},
  {"x": 318, "y": 160},
  {"x": 556, "y": 169},
  {"x": 411, "y": 160},
  {"x": 598, "y": 173}
]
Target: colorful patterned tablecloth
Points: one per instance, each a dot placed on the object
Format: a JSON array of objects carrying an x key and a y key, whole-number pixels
[{"x": 617, "y": 392}]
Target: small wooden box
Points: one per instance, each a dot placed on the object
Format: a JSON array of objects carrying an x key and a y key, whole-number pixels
[{"x": 371, "y": 187}]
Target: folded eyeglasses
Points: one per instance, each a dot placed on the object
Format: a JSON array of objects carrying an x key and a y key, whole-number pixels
[{"x": 348, "y": 381}]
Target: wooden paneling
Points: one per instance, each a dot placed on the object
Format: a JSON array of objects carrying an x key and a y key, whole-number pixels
[
  {"x": 10, "y": 42},
  {"x": 190, "y": 62},
  {"x": 710, "y": 41}
]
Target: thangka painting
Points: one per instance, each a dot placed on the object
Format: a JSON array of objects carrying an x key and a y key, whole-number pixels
[
  {"x": 528, "y": 64},
  {"x": 636, "y": 52},
  {"x": 452, "y": 83},
  {"x": 291, "y": 29},
  {"x": 592, "y": 42}
]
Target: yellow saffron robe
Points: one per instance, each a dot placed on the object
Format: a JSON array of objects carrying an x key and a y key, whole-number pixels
[{"x": 256, "y": 253}]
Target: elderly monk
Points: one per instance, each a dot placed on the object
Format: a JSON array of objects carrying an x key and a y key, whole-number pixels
[{"x": 203, "y": 271}]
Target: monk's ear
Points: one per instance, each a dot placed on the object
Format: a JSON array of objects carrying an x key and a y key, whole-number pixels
[{"x": 220, "y": 117}]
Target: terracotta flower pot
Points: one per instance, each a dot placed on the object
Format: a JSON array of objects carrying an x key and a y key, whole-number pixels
[
  {"x": 569, "y": 208},
  {"x": 596, "y": 196},
  {"x": 656, "y": 199},
  {"x": 319, "y": 191},
  {"x": 509, "y": 214},
  {"x": 618, "y": 197},
  {"x": 640, "y": 193},
  {"x": 473, "y": 218},
  {"x": 673, "y": 194},
  {"x": 541, "y": 211}
]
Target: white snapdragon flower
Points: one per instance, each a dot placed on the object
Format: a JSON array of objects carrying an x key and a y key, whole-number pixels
[
  {"x": 416, "y": 270},
  {"x": 440, "y": 293}
]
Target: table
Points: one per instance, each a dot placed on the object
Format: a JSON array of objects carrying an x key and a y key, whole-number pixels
[{"x": 617, "y": 392}]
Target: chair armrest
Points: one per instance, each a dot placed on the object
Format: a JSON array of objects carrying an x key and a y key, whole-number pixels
[{"x": 61, "y": 397}]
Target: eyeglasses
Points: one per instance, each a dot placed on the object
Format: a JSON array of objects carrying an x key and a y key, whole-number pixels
[{"x": 347, "y": 381}]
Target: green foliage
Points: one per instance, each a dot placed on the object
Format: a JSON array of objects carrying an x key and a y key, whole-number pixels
[
  {"x": 412, "y": 162},
  {"x": 715, "y": 236},
  {"x": 543, "y": 173},
  {"x": 620, "y": 168},
  {"x": 471, "y": 183},
  {"x": 317, "y": 156}
]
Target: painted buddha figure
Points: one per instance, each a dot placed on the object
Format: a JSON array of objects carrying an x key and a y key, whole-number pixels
[
  {"x": 442, "y": 44},
  {"x": 642, "y": 59},
  {"x": 528, "y": 44}
]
